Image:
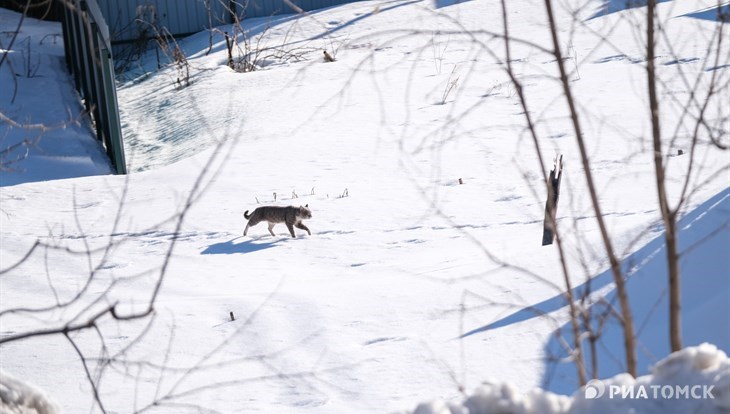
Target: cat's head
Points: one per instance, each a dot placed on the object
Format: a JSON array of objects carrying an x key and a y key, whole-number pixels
[{"x": 305, "y": 212}]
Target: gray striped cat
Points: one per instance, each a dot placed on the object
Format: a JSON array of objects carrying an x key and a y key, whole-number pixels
[{"x": 291, "y": 216}]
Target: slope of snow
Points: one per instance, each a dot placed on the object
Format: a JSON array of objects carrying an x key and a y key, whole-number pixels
[
  {"x": 704, "y": 240},
  {"x": 50, "y": 137},
  {"x": 370, "y": 312}
]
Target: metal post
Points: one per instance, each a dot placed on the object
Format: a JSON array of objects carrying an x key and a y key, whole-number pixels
[
  {"x": 90, "y": 60},
  {"x": 110, "y": 102},
  {"x": 65, "y": 29},
  {"x": 101, "y": 115},
  {"x": 86, "y": 62},
  {"x": 74, "y": 47},
  {"x": 88, "y": 56}
]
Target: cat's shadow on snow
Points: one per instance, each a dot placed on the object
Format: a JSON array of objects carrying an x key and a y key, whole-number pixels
[{"x": 245, "y": 246}]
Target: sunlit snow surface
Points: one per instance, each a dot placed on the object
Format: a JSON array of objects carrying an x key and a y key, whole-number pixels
[{"x": 385, "y": 305}]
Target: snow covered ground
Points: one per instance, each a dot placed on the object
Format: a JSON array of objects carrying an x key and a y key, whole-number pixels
[
  {"x": 412, "y": 287},
  {"x": 58, "y": 143}
]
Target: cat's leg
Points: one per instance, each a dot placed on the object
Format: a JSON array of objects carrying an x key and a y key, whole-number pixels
[
  {"x": 301, "y": 225},
  {"x": 290, "y": 226}
]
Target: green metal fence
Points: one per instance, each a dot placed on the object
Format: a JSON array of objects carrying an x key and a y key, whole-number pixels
[{"x": 89, "y": 58}]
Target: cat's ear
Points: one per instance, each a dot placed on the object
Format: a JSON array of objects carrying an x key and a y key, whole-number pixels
[{"x": 307, "y": 206}]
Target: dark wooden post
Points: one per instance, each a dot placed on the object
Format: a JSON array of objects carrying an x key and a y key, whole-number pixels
[
  {"x": 229, "y": 48},
  {"x": 232, "y": 13},
  {"x": 551, "y": 205}
]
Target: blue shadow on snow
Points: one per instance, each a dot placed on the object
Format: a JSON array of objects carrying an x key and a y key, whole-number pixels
[
  {"x": 446, "y": 3},
  {"x": 612, "y": 6},
  {"x": 704, "y": 238},
  {"x": 230, "y": 247},
  {"x": 716, "y": 14}
]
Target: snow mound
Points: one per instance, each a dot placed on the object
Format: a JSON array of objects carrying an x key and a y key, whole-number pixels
[
  {"x": 501, "y": 398},
  {"x": 18, "y": 397},
  {"x": 695, "y": 379}
]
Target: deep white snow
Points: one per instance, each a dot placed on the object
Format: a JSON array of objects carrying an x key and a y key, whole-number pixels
[
  {"x": 693, "y": 380},
  {"x": 412, "y": 287}
]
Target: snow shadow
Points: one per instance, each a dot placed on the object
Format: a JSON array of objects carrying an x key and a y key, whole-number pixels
[
  {"x": 549, "y": 305},
  {"x": 704, "y": 241},
  {"x": 231, "y": 247},
  {"x": 719, "y": 13},
  {"x": 612, "y": 6},
  {"x": 710, "y": 69},
  {"x": 704, "y": 237},
  {"x": 341, "y": 25},
  {"x": 445, "y": 3}
]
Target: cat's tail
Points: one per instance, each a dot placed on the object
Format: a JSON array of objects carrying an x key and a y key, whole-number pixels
[{"x": 246, "y": 215}]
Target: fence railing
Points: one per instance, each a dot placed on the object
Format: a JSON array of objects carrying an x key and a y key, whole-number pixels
[{"x": 89, "y": 58}]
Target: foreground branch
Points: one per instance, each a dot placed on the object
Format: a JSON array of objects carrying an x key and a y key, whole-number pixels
[
  {"x": 669, "y": 216},
  {"x": 626, "y": 316}
]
